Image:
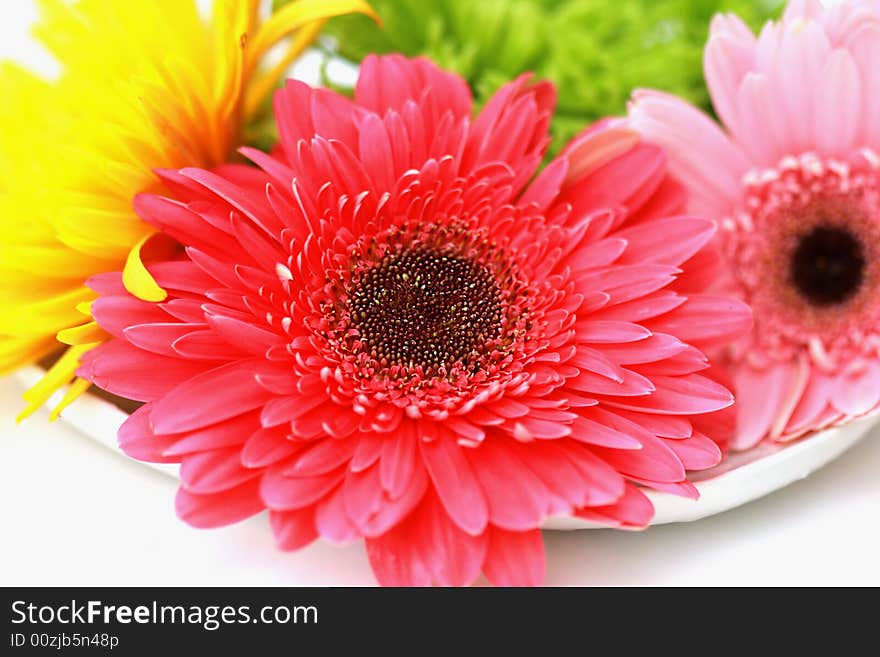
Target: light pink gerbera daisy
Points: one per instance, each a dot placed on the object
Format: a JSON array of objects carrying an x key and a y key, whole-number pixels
[
  {"x": 389, "y": 332},
  {"x": 794, "y": 180}
]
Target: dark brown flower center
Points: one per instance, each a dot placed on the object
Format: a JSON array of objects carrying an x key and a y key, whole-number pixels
[
  {"x": 828, "y": 265},
  {"x": 422, "y": 308}
]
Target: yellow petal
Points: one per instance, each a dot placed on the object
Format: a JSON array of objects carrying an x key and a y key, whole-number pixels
[
  {"x": 84, "y": 334},
  {"x": 137, "y": 279},
  {"x": 15, "y": 351},
  {"x": 59, "y": 375},
  {"x": 79, "y": 387},
  {"x": 263, "y": 84},
  {"x": 296, "y": 15}
]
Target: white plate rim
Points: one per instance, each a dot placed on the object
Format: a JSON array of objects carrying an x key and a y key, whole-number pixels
[{"x": 743, "y": 477}]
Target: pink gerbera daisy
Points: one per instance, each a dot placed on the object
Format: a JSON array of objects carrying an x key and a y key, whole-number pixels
[
  {"x": 794, "y": 180},
  {"x": 389, "y": 332}
]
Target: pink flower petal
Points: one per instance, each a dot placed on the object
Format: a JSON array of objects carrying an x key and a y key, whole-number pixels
[
  {"x": 209, "y": 397},
  {"x": 331, "y": 521},
  {"x": 680, "y": 395},
  {"x": 857, "y": 394},
  {"x": 517, "y": 508},
  {"x": 453, "y": 556},
  {"x": 705, "y": 320},
  {"x": 266, "y": 447},
  {"x": 515, "y": 558},
  {"x": 395, "y": 560},
  {"x": 667, "y": 242},
  {"x": 456, "y": 484},
  {"x": 293, "y": 530},
  {"x": 696, "y": 452},
  {"x": 137, "y": 440},
  {"x": 632, "y": 510},
  {"x": 129, "y": 372},
  {"x": 219, "y": 509},
  {"x": 282, "y": 493},
  {"x": 837, "y": 101},
  {"x": 759, "y": 394}
]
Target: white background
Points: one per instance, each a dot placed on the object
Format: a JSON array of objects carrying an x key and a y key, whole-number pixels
[{"x": 74, "y": 513}]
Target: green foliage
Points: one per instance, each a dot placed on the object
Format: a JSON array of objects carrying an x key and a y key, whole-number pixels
[{"x": 595, "y": 51}]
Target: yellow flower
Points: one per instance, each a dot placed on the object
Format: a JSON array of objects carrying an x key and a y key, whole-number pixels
[{"x": 145, "y": 84}]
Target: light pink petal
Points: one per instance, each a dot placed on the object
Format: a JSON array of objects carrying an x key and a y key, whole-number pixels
[
  {"x": 837, "y": 99},
  {"x": 803, "y": 51},
  {"x": 798, "y": 379},
  {"x": 759, "y": 395},
  {"x": 857, "y": 394},
  {"x": 515, "y": 558},
  {"x": 762, "y": 134},
  {"x": 689, "y": 137},
  {"x": 813, "y": 404},
  {"x": 805, "y": 9},
  {"x": 729, "y": 55},
  {"x": 864, "y": 47}
]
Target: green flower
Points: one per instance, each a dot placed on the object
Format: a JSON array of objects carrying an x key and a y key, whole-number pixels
[{"x": 595, "y": 51}]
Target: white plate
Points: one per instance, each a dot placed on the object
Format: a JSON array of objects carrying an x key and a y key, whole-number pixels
[{"x": 741, "y": 478}]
